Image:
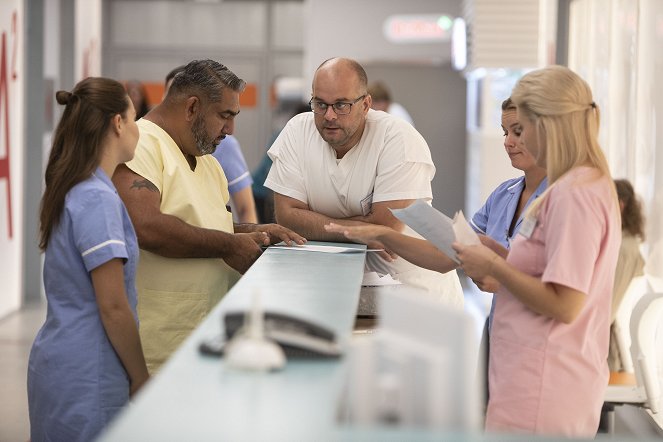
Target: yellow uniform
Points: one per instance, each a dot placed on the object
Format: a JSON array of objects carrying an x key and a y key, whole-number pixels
[{"x": 175, "y": 294}]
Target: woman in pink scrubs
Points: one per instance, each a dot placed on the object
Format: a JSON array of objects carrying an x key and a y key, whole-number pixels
[{"x": 550, "y": 332}]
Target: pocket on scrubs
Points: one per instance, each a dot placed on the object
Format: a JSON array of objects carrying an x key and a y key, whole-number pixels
[{"x": 166, "y": 319}]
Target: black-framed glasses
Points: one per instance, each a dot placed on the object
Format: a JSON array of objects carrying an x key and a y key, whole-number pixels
[{"x": 340, "y": 107}]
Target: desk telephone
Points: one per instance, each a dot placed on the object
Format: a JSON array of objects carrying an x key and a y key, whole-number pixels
[{"x": 297, "y": 337}]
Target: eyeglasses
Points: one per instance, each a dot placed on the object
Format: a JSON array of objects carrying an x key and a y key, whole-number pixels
[{"x": 340, "y": 107}]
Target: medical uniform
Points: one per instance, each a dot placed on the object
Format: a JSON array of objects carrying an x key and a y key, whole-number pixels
[
  {"x": 494, "y": 218},
  {"x": 546, "y": 376},
  {"x": 175, "y": 294},
  {"x": 76, "y": 382},
  {"x": 391, "y": 162},
  {"x": 229, "y": 155}
]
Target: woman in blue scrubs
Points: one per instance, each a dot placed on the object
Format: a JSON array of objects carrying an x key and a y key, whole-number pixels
[
  {"x": 87, "y": 359},
  {"x": 501, "y": 215}
]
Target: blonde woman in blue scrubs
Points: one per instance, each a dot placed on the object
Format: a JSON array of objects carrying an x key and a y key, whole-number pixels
[
  {"x": 87, "y": 359},
  {"x": 501, "y": 215}
]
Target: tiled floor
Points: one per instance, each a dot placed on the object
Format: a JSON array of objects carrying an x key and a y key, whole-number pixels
[{"x": 18, "y": 330}]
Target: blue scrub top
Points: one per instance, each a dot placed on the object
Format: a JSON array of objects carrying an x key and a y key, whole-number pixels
[
  {"x": 76, "y": 382},
  {"x": 496, "y": 215},
  {"x": 229, "y": 154}
]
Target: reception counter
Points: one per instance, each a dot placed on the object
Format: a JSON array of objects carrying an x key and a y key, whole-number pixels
[{"x": 198, "y": 398}]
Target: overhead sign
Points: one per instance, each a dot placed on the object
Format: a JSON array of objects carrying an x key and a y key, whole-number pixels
[{"x": 421, "y": 28}]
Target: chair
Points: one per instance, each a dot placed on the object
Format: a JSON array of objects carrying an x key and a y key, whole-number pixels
[
  {"x": 645, "y": 389},
  {"x": 620, "y": 328}
]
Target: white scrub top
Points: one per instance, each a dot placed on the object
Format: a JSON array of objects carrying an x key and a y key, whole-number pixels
[{"x": 392, "y": 161}]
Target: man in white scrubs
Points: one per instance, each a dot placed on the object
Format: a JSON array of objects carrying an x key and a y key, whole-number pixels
[
  {"x": 348, "y": 164},
  {"x": 176, "y": 195}
]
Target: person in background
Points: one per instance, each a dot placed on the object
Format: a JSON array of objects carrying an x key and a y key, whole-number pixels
[
  {"x": 86, "y": 360},
  {"x": 229, "y": 155},
  {"x": 138, "y": 96},
  {"x": 176, "y": 195},
  {"x": 630, "y": 262},
  {"x": 382, "y": 101},
  {"x": 549, "y": 335},
  {"x": 264, "y": 196},
  {"x": 348, "y": 164}
]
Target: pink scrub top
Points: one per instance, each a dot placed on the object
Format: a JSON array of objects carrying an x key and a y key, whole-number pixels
[{"x": 545, "y": 376}]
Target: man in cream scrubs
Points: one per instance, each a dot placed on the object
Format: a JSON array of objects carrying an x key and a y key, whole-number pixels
[
  {"x": 176, "y": 195},
  {"x": 348, "y": 164}
]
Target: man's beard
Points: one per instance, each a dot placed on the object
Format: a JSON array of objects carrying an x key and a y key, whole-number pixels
[{"x": 204, "y": 144}]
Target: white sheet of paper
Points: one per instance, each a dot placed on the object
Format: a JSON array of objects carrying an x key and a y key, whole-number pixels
[
  {"x": 436, "y": 227},
  {"x": 317, "y": 248},
  {"x": 465, "y": 234}
]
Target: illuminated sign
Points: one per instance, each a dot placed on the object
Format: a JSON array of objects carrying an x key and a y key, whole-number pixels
[{"x": 422, "y": 28}]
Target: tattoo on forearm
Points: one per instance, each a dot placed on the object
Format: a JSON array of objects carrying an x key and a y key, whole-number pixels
[{"x": 144, "y": 184}]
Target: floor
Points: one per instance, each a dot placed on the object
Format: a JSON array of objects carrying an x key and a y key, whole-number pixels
[{"x": 17, "y": 331}]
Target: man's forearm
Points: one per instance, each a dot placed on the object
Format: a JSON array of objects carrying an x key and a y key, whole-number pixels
[
  {"x": 311, "y": 224},
  {"x": 171, "y": 237},
  {"x": 381, "y": 219}
]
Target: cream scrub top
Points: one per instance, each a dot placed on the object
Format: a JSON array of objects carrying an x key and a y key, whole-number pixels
[
  {"x": 392, "y": 161},
  {"x": 175, "y": 294}
]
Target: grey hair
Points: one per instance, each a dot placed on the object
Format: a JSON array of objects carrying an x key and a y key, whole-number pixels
[{"x": 206, "y": 78}]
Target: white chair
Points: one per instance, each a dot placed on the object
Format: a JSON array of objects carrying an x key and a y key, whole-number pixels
[
  {"x": 620, "y": 329},
  {"x": 646, "y": 388}
]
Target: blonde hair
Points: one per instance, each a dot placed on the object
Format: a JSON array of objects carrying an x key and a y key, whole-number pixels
[{"x": 560, "y": 105}]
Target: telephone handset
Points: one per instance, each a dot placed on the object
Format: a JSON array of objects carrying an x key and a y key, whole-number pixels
[{"x": 299, "y": 338}]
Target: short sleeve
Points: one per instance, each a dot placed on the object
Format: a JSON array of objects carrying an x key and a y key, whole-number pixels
[
  {"x": 97, "y": 228},
  {"x": 230, "y": 157},
  {"x": 574, "y": 223},
  {"x": 405, "y": 169},
  {"x": 479, "y": 221},
  {"x": 285, "y": 176},
  {"x": 410, "y": 180},
  {"x": 148, "y": 161}
]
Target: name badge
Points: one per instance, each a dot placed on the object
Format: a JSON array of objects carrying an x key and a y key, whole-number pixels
[
  {"x": 527, "y": 227},
  {"x": 367, "y": 204}
]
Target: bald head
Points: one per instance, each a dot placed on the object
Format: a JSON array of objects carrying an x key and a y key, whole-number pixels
[{"x": 345, "y": 68}]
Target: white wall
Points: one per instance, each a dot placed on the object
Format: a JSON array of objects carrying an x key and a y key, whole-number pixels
[{"x": 12, "y": 30}]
